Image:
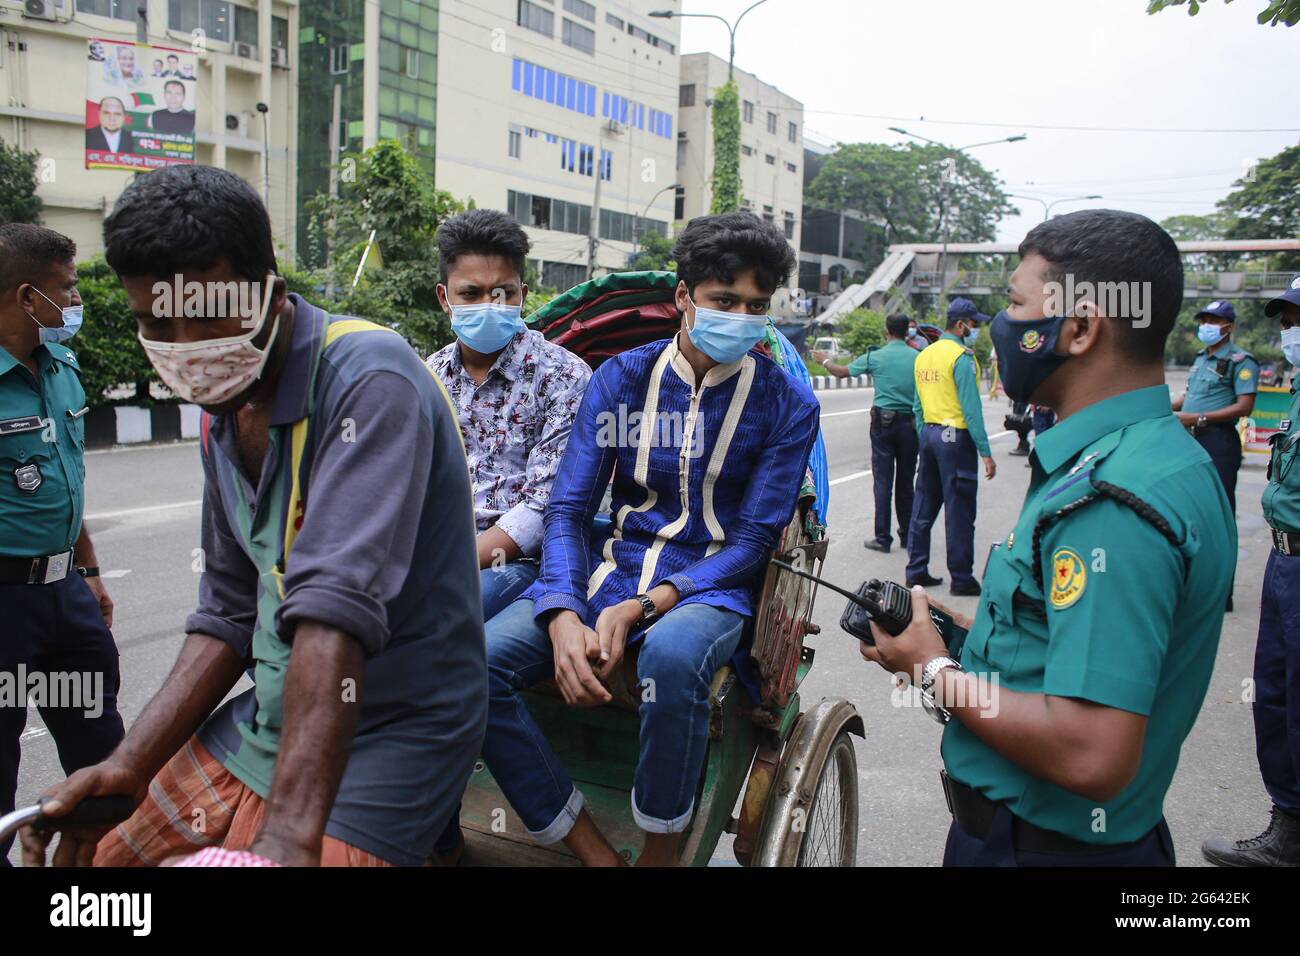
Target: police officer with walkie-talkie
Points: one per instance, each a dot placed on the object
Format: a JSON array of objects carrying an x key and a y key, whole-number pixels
[
  {"x": 1087, "y": 662},
  {"x": 57, "y": 615},
  {"x": 1277, "y": 651}
]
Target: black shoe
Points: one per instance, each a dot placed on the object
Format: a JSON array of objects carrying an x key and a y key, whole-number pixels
[
  {"x": 871, "y": 544},
  {"x": 925, "y": 581},
  {"x": 1279, "y": 845},
  {"x": 1229, "y": 608},
  {"x": 1020, "y": 451},
  {"x": 965, "y": 590}
]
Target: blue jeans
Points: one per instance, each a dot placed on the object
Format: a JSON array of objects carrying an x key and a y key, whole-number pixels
[
  {"x": 679, "y": 656},
  {"x": 500, "y": 586}
]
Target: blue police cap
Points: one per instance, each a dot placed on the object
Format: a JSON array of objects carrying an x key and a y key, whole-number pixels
[
  {"x": 963, "y": 308},
  {"x": 1291, "y": 295},
  {"x": 1220, "y": 309}
]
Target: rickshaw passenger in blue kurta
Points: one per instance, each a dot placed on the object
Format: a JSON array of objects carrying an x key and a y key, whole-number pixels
[{"x": 707, "y": 444}]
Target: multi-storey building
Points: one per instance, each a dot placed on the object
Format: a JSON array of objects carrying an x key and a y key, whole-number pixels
[
  {"x": 771, "y": 145},
  {"x": 243, "y": 58},
  {"x": 550, "y": 108}
]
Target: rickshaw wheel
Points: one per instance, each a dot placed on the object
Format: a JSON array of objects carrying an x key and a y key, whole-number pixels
[
  {"x": 830, "y": 835},
  {"x": 811, "y": 816}
]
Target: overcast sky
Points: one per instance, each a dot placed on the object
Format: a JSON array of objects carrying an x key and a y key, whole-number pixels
[{"x": 967, "y": 64}]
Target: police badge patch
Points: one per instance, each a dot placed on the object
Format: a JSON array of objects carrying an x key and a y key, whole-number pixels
[
  {"x": 28, "y": 478},
  {"x": 1069, "y": 578}
]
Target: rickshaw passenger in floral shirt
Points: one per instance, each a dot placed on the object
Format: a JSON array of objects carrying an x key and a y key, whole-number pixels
[{"x": 515, "y": 393}]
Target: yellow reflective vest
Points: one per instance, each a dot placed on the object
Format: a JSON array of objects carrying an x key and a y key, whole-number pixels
[{"x": 936, "y": 387}]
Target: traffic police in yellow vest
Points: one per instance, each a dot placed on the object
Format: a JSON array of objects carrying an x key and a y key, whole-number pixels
[
  {"x": 1277, "y": 649},
  {"x": 950, "y": 423},
  {"x": 1092, "y": 649},
  {"x": 57, "y": 615}
]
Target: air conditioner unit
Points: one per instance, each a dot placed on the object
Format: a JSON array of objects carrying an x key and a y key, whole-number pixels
[
  {"x": 614, "y": 126},
  {"x": 280, "y": 57},
  {"x": 246, "y": 50},
  {"x": 237, "y": 123},
  {"x": 40, "y": 10}
]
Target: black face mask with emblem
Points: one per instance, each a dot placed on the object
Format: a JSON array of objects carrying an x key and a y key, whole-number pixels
[{"x": 1026, "y": 353}]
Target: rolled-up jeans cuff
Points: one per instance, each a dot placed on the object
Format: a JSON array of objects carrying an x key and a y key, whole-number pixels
[
  {"x": 559, "y": 828},
  {"x": 657, "y": 825}
]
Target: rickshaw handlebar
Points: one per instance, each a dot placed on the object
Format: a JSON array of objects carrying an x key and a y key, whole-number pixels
[{"x": 91, "y": 811}]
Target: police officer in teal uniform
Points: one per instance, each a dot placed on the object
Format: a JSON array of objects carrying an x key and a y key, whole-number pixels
[
  {"x": 1220, "y": 391},
  {"x": 57, "y": 615},
  {"x": 1277, "y": 649},
  {"x": 894, "y": 440},
  {"x": 1090, "y": 655}
]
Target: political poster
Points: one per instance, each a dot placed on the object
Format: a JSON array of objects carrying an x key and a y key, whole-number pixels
[{"x": 140, "y": 105}]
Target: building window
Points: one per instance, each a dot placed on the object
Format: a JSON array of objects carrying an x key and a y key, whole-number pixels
[
  {"x": 771, "y": 122},
  {"x": 792, "y": 167},
  {"x": 580, "y": 8},
  {"x": 186, "y": 16},
  {"x": 747, "y": 150},
  {"x": 538, "y": 19},
  {"x": 794, "y": 132},
  {"x": 638, "y": 34},
  {"x": 339, "y": 59},
  {"x": 246, "y": 26},
  {"x": 789, "y": 226},
  {"x": 562, "y": 275},
  {"x": 579, "y": 37},
  {"x": 681, "y": 153},
  {"x": 279, "y": 33},
  {"x": 411, "y": 62},
  {"x": 771, "y": 160},
  {"x": 117, "y": 9},
  {"x": 686, "y": 95},
  {"x": 555, "y": 88},
  {"x": 514, "y": 144},
  {"x": 748, "y": 110},
  {"x": 614, "y": 22}
]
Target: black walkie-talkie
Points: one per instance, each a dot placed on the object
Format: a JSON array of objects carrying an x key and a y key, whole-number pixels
[{"x": 890, "y": 606}]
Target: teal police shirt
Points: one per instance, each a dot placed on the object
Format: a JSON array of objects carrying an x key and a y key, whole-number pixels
[
  {"x": 1218, "y": 376},
  {"x": 42, "y": 437},
  {"x": 891, "y": 367},
  {"x": 1282, "y": 496},
  {"x": 1110, "y": 589}
]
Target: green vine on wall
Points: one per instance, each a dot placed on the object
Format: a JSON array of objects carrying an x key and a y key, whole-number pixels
[{"x": 726, "y": 150}]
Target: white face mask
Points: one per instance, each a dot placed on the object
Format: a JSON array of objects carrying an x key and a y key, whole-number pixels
[{"x": 215, "y": 370}]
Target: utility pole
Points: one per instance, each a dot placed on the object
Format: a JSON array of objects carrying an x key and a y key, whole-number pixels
[
  {"x": 266, "y": 155},
  {"x": 336, "y": 120},
  {"x": 593, "y": 233}
]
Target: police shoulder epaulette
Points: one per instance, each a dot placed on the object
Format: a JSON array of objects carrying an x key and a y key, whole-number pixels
[
  {"x": 63, "y": 354},
  {"x": 1240, "y": 355}
]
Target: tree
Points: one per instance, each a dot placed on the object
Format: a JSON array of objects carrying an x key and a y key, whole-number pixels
[
  {"x": 656, "y": 253},
  {"x": 396, "y": 198},
  {"x": 107, "y": 349},
  {"x": 18, "y": 199},
  {"x": 1265, "y": 204},
  {"x": 1277, "y": 11},
  {"x": 860, "y": 330},
  {"x": 900, "y": 189},
  {"x": 725, "y": 181}
]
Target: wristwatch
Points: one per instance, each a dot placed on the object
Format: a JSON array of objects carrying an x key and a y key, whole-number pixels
[
  {"x": 88, "y": 572},
  {"x": 1201, "y": 421},
  {"x": 929, "y": 674},
  {"x": 648, "y": 610}
]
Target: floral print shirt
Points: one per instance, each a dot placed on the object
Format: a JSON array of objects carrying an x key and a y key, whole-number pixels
[{"x": 515, "y": 427}]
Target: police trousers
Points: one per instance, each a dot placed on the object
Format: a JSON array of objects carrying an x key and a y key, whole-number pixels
[
  {"x": 998, "y": 848},
  {"x": 56, "y": 649},
  {"x": 893, "y": 471},
  {"x": 1277, "y": 682},
  {"x": 947, "y": 477}
]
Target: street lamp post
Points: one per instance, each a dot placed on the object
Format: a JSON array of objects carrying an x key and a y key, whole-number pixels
[
  {"x": 943, "y": 187},
  {"x": 1047, "y": 206},
  {"x": 731, "y": 27},
  {"x": 636, "y": 236}
]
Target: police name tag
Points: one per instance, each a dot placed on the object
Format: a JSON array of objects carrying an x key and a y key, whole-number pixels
[
  {"x": 1284, "y": 425},
  {"x": 28, "y": 478},
  {"x": 16, "y": 426}
]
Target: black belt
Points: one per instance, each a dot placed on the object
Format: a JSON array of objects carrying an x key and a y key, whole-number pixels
[
  {"x": 1212, "y": 426},
  {"x": 1285, "y": 542},
  {"x": 44, "y": 570},
  {"x": 974, "y": 813},
  {"x": 887, "y": 416}
]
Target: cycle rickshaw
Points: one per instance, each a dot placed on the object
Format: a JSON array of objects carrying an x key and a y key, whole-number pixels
[{"x": 782, "y": 779}]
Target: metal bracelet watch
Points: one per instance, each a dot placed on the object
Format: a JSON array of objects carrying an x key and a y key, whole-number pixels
[
  {"x": 930, "y": 674},
  {"x": 648, "y": 610},
  {"x": 89, "y": 572},
  {"x": 1201, "y": 421}
]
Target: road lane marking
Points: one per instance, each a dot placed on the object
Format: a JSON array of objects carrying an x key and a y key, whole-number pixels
[
  {"x": 855, "y": 411},
  {"x": 119, "y": 573},
  {"x": 862, "y": 474},
  {"x": 102, "y": 515}
]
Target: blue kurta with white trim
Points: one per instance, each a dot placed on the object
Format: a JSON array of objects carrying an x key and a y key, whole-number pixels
[{"x": 704, "y": 480}]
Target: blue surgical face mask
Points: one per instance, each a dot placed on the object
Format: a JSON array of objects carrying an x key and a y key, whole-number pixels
[
  {"x": 487, "y": 327},
  {"x": 725, "y": 336},
  {"x": 1291, "y": 345},
  {"x": 1026, "y": 353},
  {"x": 970, "y": 337},
  {"x": 1209, "y": 332},
  {"x": 72, "y": 319}
]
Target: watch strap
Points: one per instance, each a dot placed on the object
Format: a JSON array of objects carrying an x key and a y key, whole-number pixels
[
  {"x": 648, "y": 610},
  {"x": 89, "y": 572}
]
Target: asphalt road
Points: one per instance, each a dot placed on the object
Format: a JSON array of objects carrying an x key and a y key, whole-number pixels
[{"x": 143, "y": 512}]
